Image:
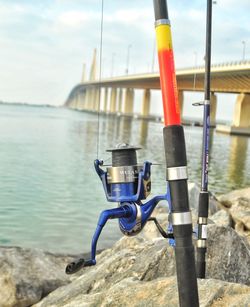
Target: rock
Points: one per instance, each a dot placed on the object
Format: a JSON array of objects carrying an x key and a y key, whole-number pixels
[
  {"x": 227, "y": 200},
  {"x": 26, "y": 275},
  {"x": 130, "y": 257},
  {"x": 228, "y": 255},
  {"x": 222, "y": 218},
  {"x": 238, "y": 206},
  {"x": 159, "y": 292},
  {"x": 134, "y": 261},
  {"x": 136, "y": 271}
]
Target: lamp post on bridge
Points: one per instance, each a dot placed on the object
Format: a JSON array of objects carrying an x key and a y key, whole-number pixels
[
  {"x": 153, "y": 58},
  {"x": 128, "y": 55},
  {"x": 244, "y": 50},
  {"x": 112, "y": 63}
]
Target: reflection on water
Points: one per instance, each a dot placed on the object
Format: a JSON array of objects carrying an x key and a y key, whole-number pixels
[
  {"x": 143, "y": 132},
  {"x": 49, "y": 193},
  {"x": 237, "y": 160}
]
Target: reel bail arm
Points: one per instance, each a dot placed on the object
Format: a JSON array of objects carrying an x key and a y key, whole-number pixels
[{"x": 121, "y": 212}]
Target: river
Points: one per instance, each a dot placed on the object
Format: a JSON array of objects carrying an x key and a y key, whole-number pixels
[{"x": 50, "y": 195}]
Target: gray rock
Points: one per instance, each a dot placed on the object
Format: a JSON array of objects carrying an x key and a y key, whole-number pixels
[
  {"x": 228, "y": 255},
  {"x": 26, "y": 275},
  {"x": 139, "y": 266},
  {"x": 130, "y": 257},
  {"x": 159, "y": 292},
  {"x": 227, "y": 200},
  {"x": 135, "y": 260},
  {"x": 238, "y": 205},
  {"x": 222, "y": 218}
]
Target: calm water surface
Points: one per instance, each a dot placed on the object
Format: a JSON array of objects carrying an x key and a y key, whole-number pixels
[{"x": 50, "y": 195}]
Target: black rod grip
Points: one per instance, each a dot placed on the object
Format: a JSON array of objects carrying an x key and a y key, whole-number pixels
[
  {"x": 179, "y": 192},
  {"x": 186, "y": 277},
  {"x": 160, "y": 9},
  {"x": 175, "y": 153},
  {"x": 174, "y": 143},
  {"x": 201, "y": 262},
  {"x": 203, "y": 204}
]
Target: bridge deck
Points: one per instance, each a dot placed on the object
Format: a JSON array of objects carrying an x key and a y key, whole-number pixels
[{"x": 233, "y": 78}]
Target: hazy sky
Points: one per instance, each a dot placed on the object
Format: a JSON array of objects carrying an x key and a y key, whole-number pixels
[{"x": 43, "y": 44}]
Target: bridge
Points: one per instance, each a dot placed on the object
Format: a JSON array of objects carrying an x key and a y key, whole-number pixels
[{"x": 117, "y": 94}]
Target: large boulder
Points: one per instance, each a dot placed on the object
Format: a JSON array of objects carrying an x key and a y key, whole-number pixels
[
  {"x": 228, "y": 255},
  {"x": 229, "y": 199},
  {"x": 26, "y": 275},
  {"x": 237, "y": 203},
  {"x": 136, "y": 271},
  {"x": 142, "y": 260},
  {"x": 221, "y": 218},
  {"x": 130, "y": 257},
  {"x": 159, "y": 292}
]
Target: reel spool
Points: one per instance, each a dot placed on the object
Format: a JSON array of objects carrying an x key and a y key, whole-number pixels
[
  {"x": 124, "y": 173},
  {"x": 125, "y": 180}
]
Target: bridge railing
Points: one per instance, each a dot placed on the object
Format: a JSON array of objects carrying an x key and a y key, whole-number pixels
[{"x": 219, "y": 65}]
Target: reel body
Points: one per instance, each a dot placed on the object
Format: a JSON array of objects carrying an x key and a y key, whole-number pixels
[{"x": 127, "y": 184}]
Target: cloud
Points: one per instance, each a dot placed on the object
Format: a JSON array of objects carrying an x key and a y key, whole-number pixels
[
  {"x": 43, "y": 44},
  {"x": 76, "y": 18}
]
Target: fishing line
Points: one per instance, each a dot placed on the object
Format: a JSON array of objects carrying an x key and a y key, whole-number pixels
[
  {"x": 99, "y": 83},
  {"x": 195, "y": 68}
]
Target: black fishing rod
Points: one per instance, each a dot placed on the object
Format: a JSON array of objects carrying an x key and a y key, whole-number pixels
[
  {"x": 204, "y": 196},
  {"x": 176, "y": 162}
]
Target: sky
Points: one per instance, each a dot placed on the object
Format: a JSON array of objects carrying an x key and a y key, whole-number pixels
[{"x": 43, "y": 44}]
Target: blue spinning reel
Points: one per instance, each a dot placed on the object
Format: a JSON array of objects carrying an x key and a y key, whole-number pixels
[{"x": 127, "y": 184}]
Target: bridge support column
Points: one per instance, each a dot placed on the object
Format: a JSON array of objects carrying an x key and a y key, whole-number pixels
[
  {"x": 92, "y": 99},
  {"x": 113, "y": 100},
  {"x": 105, "y": 106},
  {"x": 129, "y": 102},
  {"x": 80, "y": 101},
  {"x": 88, "y": 99},
  {"x": 85, "y": 100},
  {"x": 75, "y": 105},
  {"x": 146, "y": 103},
  {"x": 96, "y": 99},
  {"x": 241, "y": 120},
  {"x": 213, "y": 109},
  {"x": 181, "y": 101},
  {"x": 242, "y": 111},
  {"x": 120, "y": 100}
]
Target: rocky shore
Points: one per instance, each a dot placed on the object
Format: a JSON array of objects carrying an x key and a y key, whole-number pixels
[{"x": 138, "y": 271}]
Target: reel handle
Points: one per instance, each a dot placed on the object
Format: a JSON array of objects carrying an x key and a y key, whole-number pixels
[{"x": 78, "y": 264}]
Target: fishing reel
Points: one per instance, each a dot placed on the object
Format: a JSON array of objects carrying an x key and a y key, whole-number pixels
[{"x": 126, "y": 183}]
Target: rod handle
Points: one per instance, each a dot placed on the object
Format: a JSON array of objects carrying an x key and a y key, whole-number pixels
[{"x": 201, "y": 263}]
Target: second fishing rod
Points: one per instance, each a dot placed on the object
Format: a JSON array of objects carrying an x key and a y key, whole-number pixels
[{"x": 204, "y": 194}]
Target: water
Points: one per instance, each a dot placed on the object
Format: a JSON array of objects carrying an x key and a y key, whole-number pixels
[{"x": 50, "y": 195}]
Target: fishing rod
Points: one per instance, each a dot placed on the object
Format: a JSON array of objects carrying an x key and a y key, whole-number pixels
[
  {"x": 204, "y": 196},
  {"x": 176, "y": 162},
  {"x": 127, "y": 183}
]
